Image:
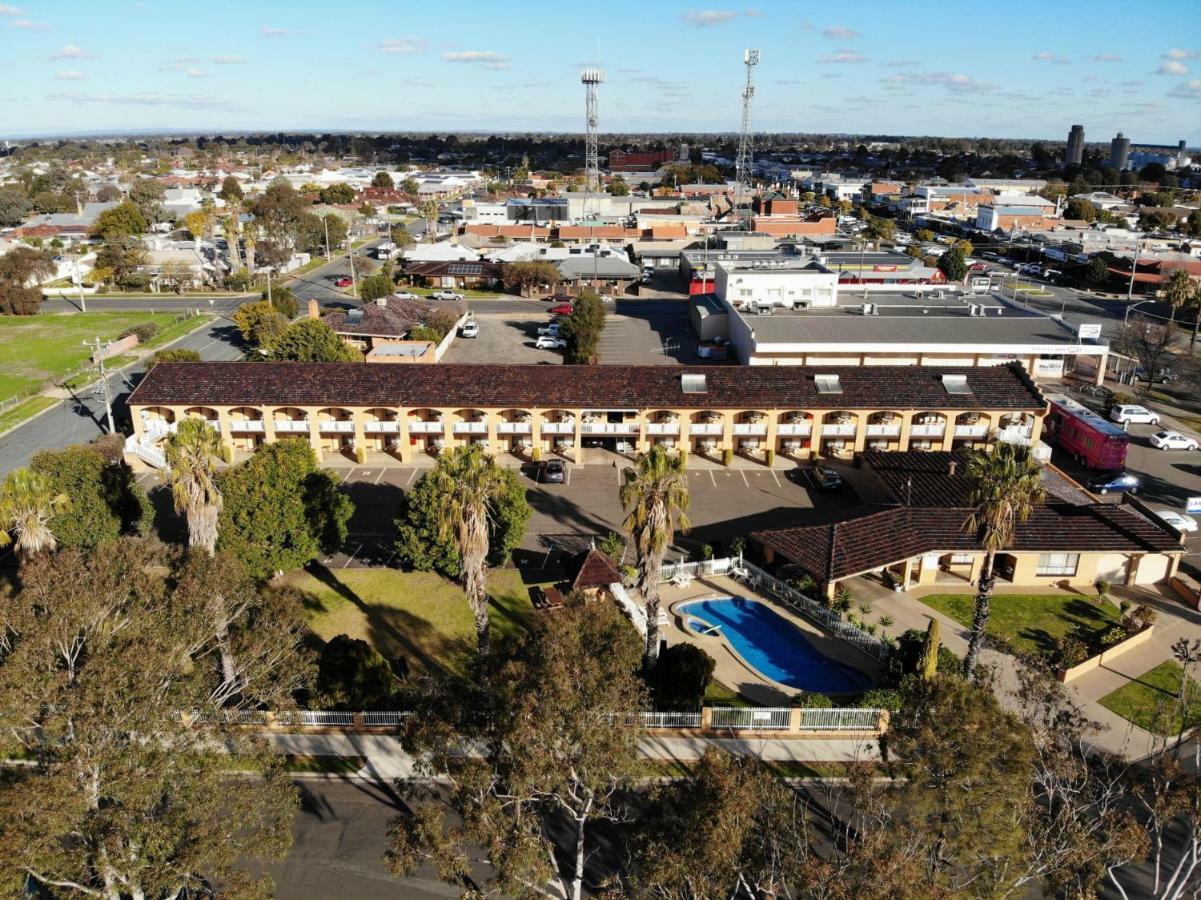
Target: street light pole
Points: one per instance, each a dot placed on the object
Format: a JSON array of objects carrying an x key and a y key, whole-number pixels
[
  {"x": 325, "y": 222},
  {"x": 1133, "y": 269},
  {"x": 97, "y": 346}
]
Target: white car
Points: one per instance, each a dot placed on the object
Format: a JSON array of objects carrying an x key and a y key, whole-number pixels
[
  {"x": 1127, "y": 413},
  {"x": 406, "y": 295},
  {"x": 550, "y": 342},
  {"x": 470, "y": 329},
  {"x": 446, "y": 295},
  {"x": 551, "y": 330},
  {"x": 1179, "y": 521},
  {"x": 1173, "y": 440}
]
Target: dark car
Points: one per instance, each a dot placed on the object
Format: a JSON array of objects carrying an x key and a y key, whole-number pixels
[
  {"x": 1162, "y": 376},
  {"x": 1115, "y": 482},
  {"x": 552, "y": 472},
  {"x": 824, "y": 478}
]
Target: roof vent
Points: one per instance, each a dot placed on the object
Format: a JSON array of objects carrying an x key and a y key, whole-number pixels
[
  {"x": 956, "y": 384},
  {"x": 693, "y": 384},
  {"x": 827, "y": 384}
]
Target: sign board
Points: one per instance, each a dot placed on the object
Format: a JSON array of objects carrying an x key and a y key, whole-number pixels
[
  {"x": 1193, "y": 505},
  {"x": 1048, "y": 368},
  {"x": 1089, "y": 331}
]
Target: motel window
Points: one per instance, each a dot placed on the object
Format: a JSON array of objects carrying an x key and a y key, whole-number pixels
[
  {"x": 1057, "y": 563},
  {"x": 961, "y": 559}
]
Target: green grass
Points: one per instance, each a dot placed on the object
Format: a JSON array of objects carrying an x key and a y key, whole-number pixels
[
  {"x": 174, "y": 332},
  {"x": 467, "y": 294},
  {"x": 419, "y": 616},
  {"x": 37, "y": 349},
  {"x": 1150, "y": 700},
  {"x": 1030, "y": 623},
  {"x": 75, "y": 382},
  {"x": 717, "y": 694},
  {"x": 24, "y": 410}
]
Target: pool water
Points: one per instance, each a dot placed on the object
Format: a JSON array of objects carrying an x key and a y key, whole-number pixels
[{"x": 772, "y": 645}]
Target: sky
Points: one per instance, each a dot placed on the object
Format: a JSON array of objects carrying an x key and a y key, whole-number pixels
[{"x": 940, "y": 67}]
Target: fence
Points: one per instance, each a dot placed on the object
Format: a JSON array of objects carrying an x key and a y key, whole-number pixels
[
  {"x": 672, "y": 571},
  {"x": 748, "y": 718}
]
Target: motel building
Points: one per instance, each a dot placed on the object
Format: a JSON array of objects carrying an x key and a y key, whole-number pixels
[{"x": 531, "y": 412}]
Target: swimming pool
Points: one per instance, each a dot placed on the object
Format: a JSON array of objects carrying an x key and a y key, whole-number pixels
[{"x": 771, "y": 645}]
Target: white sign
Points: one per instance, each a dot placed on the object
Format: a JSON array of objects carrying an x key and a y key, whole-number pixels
[
  {"x": 1193, "y": 505},
  {"x": 1089, "y": 331},
  {"x": 1048, "y": 368}
]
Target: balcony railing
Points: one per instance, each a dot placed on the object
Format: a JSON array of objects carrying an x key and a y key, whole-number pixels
[
  {"x": 292, "y": 425},
  {"x": 882, "y": 430},
  {"x": 663, "y": 428},
  {"x": 744, "y": 428},
  {"x": 971, "y": 431},
  {"x": 335, "y": 425},
  {"x": 790, "y": 428},
  {"x": 705, "y": 428},
  {"x": 608, "y": 428},
  {"x": 471, "y": 427},
  {"x": 420, "y": 427},
  {"x": 838, "y": 430},
  {"x": 936, "y": 429},
  {"x": 245, "y": 424},
  {"x": 557, "y": 428},
  {"x": 513, "y": 428},
  {"x": 378, "y": 427}
]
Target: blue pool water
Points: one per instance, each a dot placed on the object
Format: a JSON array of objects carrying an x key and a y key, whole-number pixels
[{"x": 772, "y": 645}]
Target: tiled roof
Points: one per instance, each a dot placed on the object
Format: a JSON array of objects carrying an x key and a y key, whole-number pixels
[
  {"x": 873, "y": 536},
  {"x": 612, "y": 387},
  {"x": 593, "y": 569},
  {"x": 395, "y": 319}
]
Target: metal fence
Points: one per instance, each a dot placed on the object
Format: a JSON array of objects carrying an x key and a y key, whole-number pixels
[
  {"x": 651, "y": 720},
  {"x": 384, "y": 719},
  {"x": 811, "y": 609},
  {"x": 750, "y": 718},
  {"x": 839, "y": 719},
  {"x": 723, "y": 566},
  {"x": 314, "y": 718}
]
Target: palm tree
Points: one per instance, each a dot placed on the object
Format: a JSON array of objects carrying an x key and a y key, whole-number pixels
[
  {"x": 1178, "y": 291},
  {"x": 469, "y": 483},
  {"x": 1006, "y": 485},
  {"x": 192, "y": 454},
  {"x": 27, "y": 504},
  {"x": 429, "y": 212},
  {"x": 230, "y": 227},
  {"x": 654, "y": 494},
  {"x": 250, "y": 238}
]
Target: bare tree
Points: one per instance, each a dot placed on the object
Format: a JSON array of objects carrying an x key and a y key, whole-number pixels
[{"x": 1153, "y": 344}]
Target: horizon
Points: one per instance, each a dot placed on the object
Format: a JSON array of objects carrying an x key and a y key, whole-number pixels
[{"x": 141, "y": 67}]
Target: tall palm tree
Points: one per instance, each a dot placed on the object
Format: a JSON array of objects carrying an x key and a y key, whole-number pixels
[
  {"x": 230, "y": 227},
  {"x": 654, "y": 494},
  {"x": 192, "y": 453},
  {"x": 27, "y": 504},
  {"x": 469, "y": 483},
  {"x": 1178, "y": 291},
  {"x": 250, "y": 239},
  {"x": 429, "y": 212},
  {"x": 1006, "y": 485}
]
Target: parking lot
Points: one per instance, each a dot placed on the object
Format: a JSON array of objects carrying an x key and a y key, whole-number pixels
[{"x": 638, "y": 332}]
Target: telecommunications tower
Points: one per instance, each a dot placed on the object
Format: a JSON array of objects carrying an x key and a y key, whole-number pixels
[
  {"x": 746, "y": 150},
  {"x": 590, "y": 78}
]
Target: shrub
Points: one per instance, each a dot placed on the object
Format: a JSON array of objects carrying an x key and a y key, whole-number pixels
[
  {"x": 351, "y": 674},
  {"x": 737, "y": 546},
  {"x": 144, "y": 331},
  {"x": 680, "y": 677},
  {"x": 880, "y": 698},
  {"x": 812, "y": 700},
  {"x": 906, "y": 657},
  {"x": 613, "y": 546},
  {"x": 1069, "y": 651},
  {"x": 1112, "y": 636},
  {"x": 1138, "y": 619},
  {"x": 177, "y": 355},
  {"x": 843, "y": 598},
  {"x": 1103, "y": 588},
  {"x": 629, "y": 575}
]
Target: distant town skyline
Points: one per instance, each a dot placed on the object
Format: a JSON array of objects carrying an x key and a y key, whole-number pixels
[{"x": 1022, "y": 70}]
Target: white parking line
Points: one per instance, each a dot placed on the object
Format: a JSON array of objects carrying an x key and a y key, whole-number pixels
[
  {"x": 379, "y": 476},
  {"x": 744, "y": 481},
  {"x": 350, "y": 559},
  {"x": 411, "y": 476},
  {"x": 773, "y": 475},
  {"x": 349, "y": 472},
  {"x": 712, "y": 478}
]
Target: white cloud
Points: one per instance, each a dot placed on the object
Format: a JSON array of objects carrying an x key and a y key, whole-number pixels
[
  {"x": 901, "y": 63},
  {"x": 1176, "y": 53},
  {"x": 843, "y": 56},
  {"x": 194, "y": 72},
  {"x": 489, "y": 59},
  {"x": 70, "y": 75},
  {"x": 1100, "y": 92},
  {"x": 1171, "y": 67},
  {"x": 72, "y": 51},
  {"x": 1189, "y": 90},
  {"x": 403, "y": 46},
  {"x": 954, "y": 83},
  {"x": 29, "y": 25},
  {"x": 840, "y": 33},
  {"x": 752, "y": 12},
  {"x": 1047, "y": 56},
  {"x": 269, "y": 32},
  {"x": 227, "y": 60},
  {"x": 1106, "y": 57},
  {"x": 703, "y": 18},
  {"x": 145, "y": 98},
  {"x": 6, "y": 10}
]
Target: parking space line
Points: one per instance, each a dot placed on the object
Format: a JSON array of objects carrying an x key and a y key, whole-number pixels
[
  {"x": 349, "y": 472},
  {"x": 379, "y": 476},
  {"x": 744, "y": 481},
  {"x": 712, "y": 478},
  {"x": 350, "y": 559},
  {"x": 773, "y": 475},
  {"x": 411, "y": 476}
]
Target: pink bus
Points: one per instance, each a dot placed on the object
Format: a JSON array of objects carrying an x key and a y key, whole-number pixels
[{"x": 1089, "y": 438}]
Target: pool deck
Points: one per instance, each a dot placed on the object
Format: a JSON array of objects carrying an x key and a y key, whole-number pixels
[{"x": 731, "y": 670}]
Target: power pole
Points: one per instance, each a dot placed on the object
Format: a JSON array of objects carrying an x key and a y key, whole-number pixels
[
  {"x": 97, "y": 346},
  {"x": 354, "y": 281},
  {"x": 268, "y": 284},
  {"x": 745, "y": 161},
  {"x": 325, "y": 222}
]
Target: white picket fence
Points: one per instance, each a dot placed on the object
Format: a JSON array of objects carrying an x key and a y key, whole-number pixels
[
  {"x": 840, "y": 719},
  {"x": 723, "y": 566},
  {"x": 751, "y": 718}
]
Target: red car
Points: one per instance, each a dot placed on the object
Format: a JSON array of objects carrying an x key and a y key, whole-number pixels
[
  {"x": 343, "y": 282},
  {"x": 563, "y": 309}
]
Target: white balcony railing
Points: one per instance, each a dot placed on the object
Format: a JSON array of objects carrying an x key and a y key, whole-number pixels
[
  {"x": 838, "y": 430},
  {"x": 936, "y": 429},
  {"x": 290, "y": 425},
  {"x": 242, "y": 425},
  {"x": 663, "y": 428},
  {"x": 971, "y": 431},
  {"x": 608, "y": 428},
  {"x": 743, "y": 428},
  {"x": 471, "y": 427},
  {"x": 557, "y": 428},
  {"x": 705, "y": 428},
  {"x": 384, "y": 427},
  {"x": 790, "y": 428},
  {"x": 513, "y": 428},
  {"x": 335, "y": 426},
  {"x": 881, "y": 430},
  {"x": 419, "y": 427}
]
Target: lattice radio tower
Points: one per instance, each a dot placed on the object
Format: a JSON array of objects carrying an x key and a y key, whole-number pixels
[
  {"x": 746, "y": 150},
  {"x": 590, "y": 78}
]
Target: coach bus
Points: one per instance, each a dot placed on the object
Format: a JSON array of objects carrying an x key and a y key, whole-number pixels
[{"x": 1088, "y": 437}]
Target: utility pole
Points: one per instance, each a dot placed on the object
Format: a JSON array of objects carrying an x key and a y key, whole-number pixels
[
  {"x": 97, "y": 346},
  {"x": 354, "y": 281},
  {"x": 269, "y": 284},
  {"x": 1133, "y": 269},
  {"x": 325, "y": 222}
]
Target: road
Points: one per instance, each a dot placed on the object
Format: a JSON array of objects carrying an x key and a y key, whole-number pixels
[{"x": 318, "y": 284}]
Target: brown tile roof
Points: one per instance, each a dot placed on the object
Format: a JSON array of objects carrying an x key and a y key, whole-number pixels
[
  {"x": 897, "y": 388},
  {"x": 395, "y": 319},
  {"x": 593, "y": 569},
  {"x": 834, "y": 547}
]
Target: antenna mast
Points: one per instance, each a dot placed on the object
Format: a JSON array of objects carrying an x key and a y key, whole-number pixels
[
  {"x": 746, "y": 150},
  {"x": 591, "y": 78}
]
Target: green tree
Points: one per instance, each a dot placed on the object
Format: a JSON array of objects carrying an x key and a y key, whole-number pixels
[
  {"x": 680, "y": 677},
  {"x": 104, "y": 499},
  {"x": 1081, "y": 210},
  {"x": 953, "y": 265},
  {"x": 928, "y": 665},
  {"x": 618, "y": 187},
  {"x": 231, "y": 189},
  {"x": 557, "y": 750},
  {"x": 410, "y": 186},
  {"x": 401, "y": 236},
  {"x": 123, "y": 256},
  {"x": 21, "y": 270},
  {"x": 278, "y": 219},
  {"x": 177, "y": 355},
  {"x": 28, "y": 504},
  {"x": 1093, "y": 273},
  {"x": 654, "y": 496},
  {"x": 281, "y": 510},
  {"x": 147, "y": 195},
  {"x": 336, "y": 227},
  {"x": 259, "y": 323},
  {"x": 1179, "y": 291},
  {"x": 583, "y": 328},
  {"x": 383, "y": 180},
  {"x": 523, "y": 277},
  {"x": 429, "y": 212},
  {"x": 1007, "y": 483},
  {"x": 351, "y": 674},
  {"x": 337, "y": 193},
  {"x": 375, "y": 286},
  {"x": 881, "y": 229},
  {"x": 451, "y": 518},
  {"x": 122, "y": 220},
  {"x": 311, "y": 340},
  {"x": 283, "y": 301},
  {"x": 192, "y": 454}
]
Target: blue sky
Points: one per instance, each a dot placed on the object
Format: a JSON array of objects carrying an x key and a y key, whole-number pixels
[{"x": 1019, "y": 69}]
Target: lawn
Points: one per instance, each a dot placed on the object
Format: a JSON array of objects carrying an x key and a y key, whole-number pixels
[
  {"x": 717, "y": 694},
  {"x": 1150, "y": 700},
  {"x": 1030, "y": 623},
  {"x": 419, "y": 616},
  {"x": 86, "y": 377},
  {"x": 15, "y": 415},
  {"x": 167, "y": 334},
  {"x": 37, "y": 349}
]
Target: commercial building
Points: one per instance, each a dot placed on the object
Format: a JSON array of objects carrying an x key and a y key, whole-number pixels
[
  {"x": 1119, "y": 152},
  {"x": 1075, "y": 150},
  {"x": 915, "y": 534},
  {"x": 783, "y": 282},
  {"x": 533, "y": 411}
]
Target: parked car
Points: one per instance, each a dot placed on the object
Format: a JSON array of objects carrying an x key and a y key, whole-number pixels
[
  {"x": 344, "y": 281},
  {"x": 553, "y": 471},
  {"x": 563, "y": 309},
  {"x": 446, "y": 294},
  {"x": 1179, "y": 521},
  {"x": 405, "y": 295},
  {"x": 550, "y": 342},
  {"x": 470, "y": 329},
  {"x": 824, "y": 478},
  {"x": 1117, "y": 482},
  {"x": 1125, "y": 413},
  {"x": 1173, "y": 440},
  {"x": 1162, "y": 376},
  {"x": 552, "y": 329}
]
